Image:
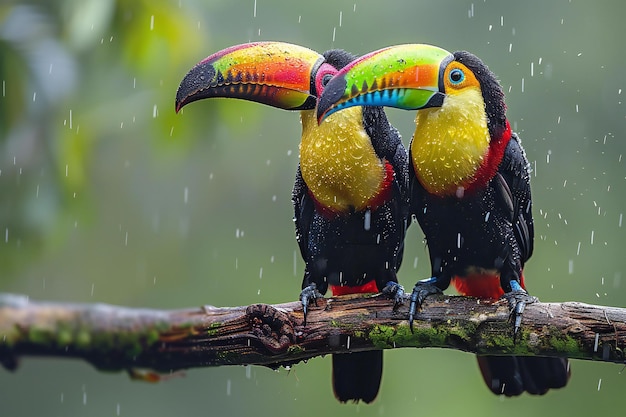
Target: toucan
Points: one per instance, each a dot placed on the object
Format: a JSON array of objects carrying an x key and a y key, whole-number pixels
[
  {"x": 351, "y": 194},
  {"x": 470, "y": 185}
]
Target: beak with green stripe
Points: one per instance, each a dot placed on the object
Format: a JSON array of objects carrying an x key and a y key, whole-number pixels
[
  {"x": 404, "y": 76},
  {"x": 273, "y": 73}
]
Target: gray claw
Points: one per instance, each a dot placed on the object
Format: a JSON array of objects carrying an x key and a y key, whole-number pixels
[
  {"x": 421, "y": 290},
  {"x": 518, "y": 299},
  {"x": 309, "y": 293},
  {"x": 396, "y": 292}
]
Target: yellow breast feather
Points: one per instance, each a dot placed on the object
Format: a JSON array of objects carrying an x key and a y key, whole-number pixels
[
  {"x": 450, "y": 143},
  {"x": 338, "y": 161}
]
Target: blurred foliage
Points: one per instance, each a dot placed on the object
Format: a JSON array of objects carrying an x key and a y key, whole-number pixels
[
  {"x": 63, "y": 65},
  {"x": 107, "y": 195}
]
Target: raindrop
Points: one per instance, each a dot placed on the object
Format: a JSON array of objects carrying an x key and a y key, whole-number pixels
[
  {"x": 34, "y": 96},
  {"x": 155, "y": 111},
  {"x": 93, "y": 287},
  {"x": 532, "y": 69},
  {"x": 228, "y": 382},
  {"x": 248, "y": 371},
  {"x": 522, "y": 81},
  {"x": 117, "y": 409},
  {"x": 299, "y": 18},
  {"x": 261, "y": 273},
  {"x": 186, "y": 195},
  {"x": 6, "y": 235},
  {"x": 599, "y": 383},
  {"x": 152, "y": 22},
  {"x": 334, "y": 33},
  {"x": 578, "y": 250},
  {"x": 254, "y": 12},
  {"x": 592, "y": 233},
  {"x": 340, "y": 18},
  {"x": 4, "y": 88},
  {"x": 415, "y": 263},
  {"x": 570, "y": 268},
  {"x": 620, "y": 220}
]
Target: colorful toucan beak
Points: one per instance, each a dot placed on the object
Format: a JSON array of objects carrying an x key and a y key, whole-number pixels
[
  {"x": 402, "y": 76},
  {"x": 273, "y": 73}
]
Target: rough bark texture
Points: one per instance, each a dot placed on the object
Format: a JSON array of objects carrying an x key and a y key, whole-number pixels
[{"x": 120, "y": 338}]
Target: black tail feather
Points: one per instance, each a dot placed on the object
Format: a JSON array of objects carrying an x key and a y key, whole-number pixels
[
  {"x": 356, "y": 376},
  {"x": 513, "y": 375}
]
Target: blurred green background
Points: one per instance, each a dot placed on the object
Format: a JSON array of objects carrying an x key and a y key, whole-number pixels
[{"x": 108, "y": 196}]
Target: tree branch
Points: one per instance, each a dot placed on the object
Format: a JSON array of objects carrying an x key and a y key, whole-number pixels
[{"x": 119, "y": 338}]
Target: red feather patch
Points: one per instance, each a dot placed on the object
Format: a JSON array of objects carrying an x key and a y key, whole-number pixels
[
  {"x": 488, "y": 169},
  {"x": 481, "y": 285},
  {"x": 368, "y": 287}
]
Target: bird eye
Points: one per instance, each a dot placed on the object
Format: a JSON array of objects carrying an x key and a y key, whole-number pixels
[
  {"x": 456, "y": 76},
  {"x": 326, "y": 78}
]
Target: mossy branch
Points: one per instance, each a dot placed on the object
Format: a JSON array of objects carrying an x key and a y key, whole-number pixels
[{"x": 120, "y": 338}]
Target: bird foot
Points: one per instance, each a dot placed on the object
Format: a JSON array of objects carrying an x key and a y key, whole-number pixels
[
  {"x": 308, "y": 294},
  {"x": 422, "y": 289},
  {"x": 394, "y": 291},
  {"x": 518, "y": 299}
]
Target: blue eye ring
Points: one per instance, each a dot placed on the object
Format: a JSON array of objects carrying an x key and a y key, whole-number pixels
[{"x": 456, "y": 76}]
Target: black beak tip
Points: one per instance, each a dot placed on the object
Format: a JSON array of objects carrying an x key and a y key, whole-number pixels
[
  {"x": 198, "y": 79},
  {"x": 333, "y": 92}
]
